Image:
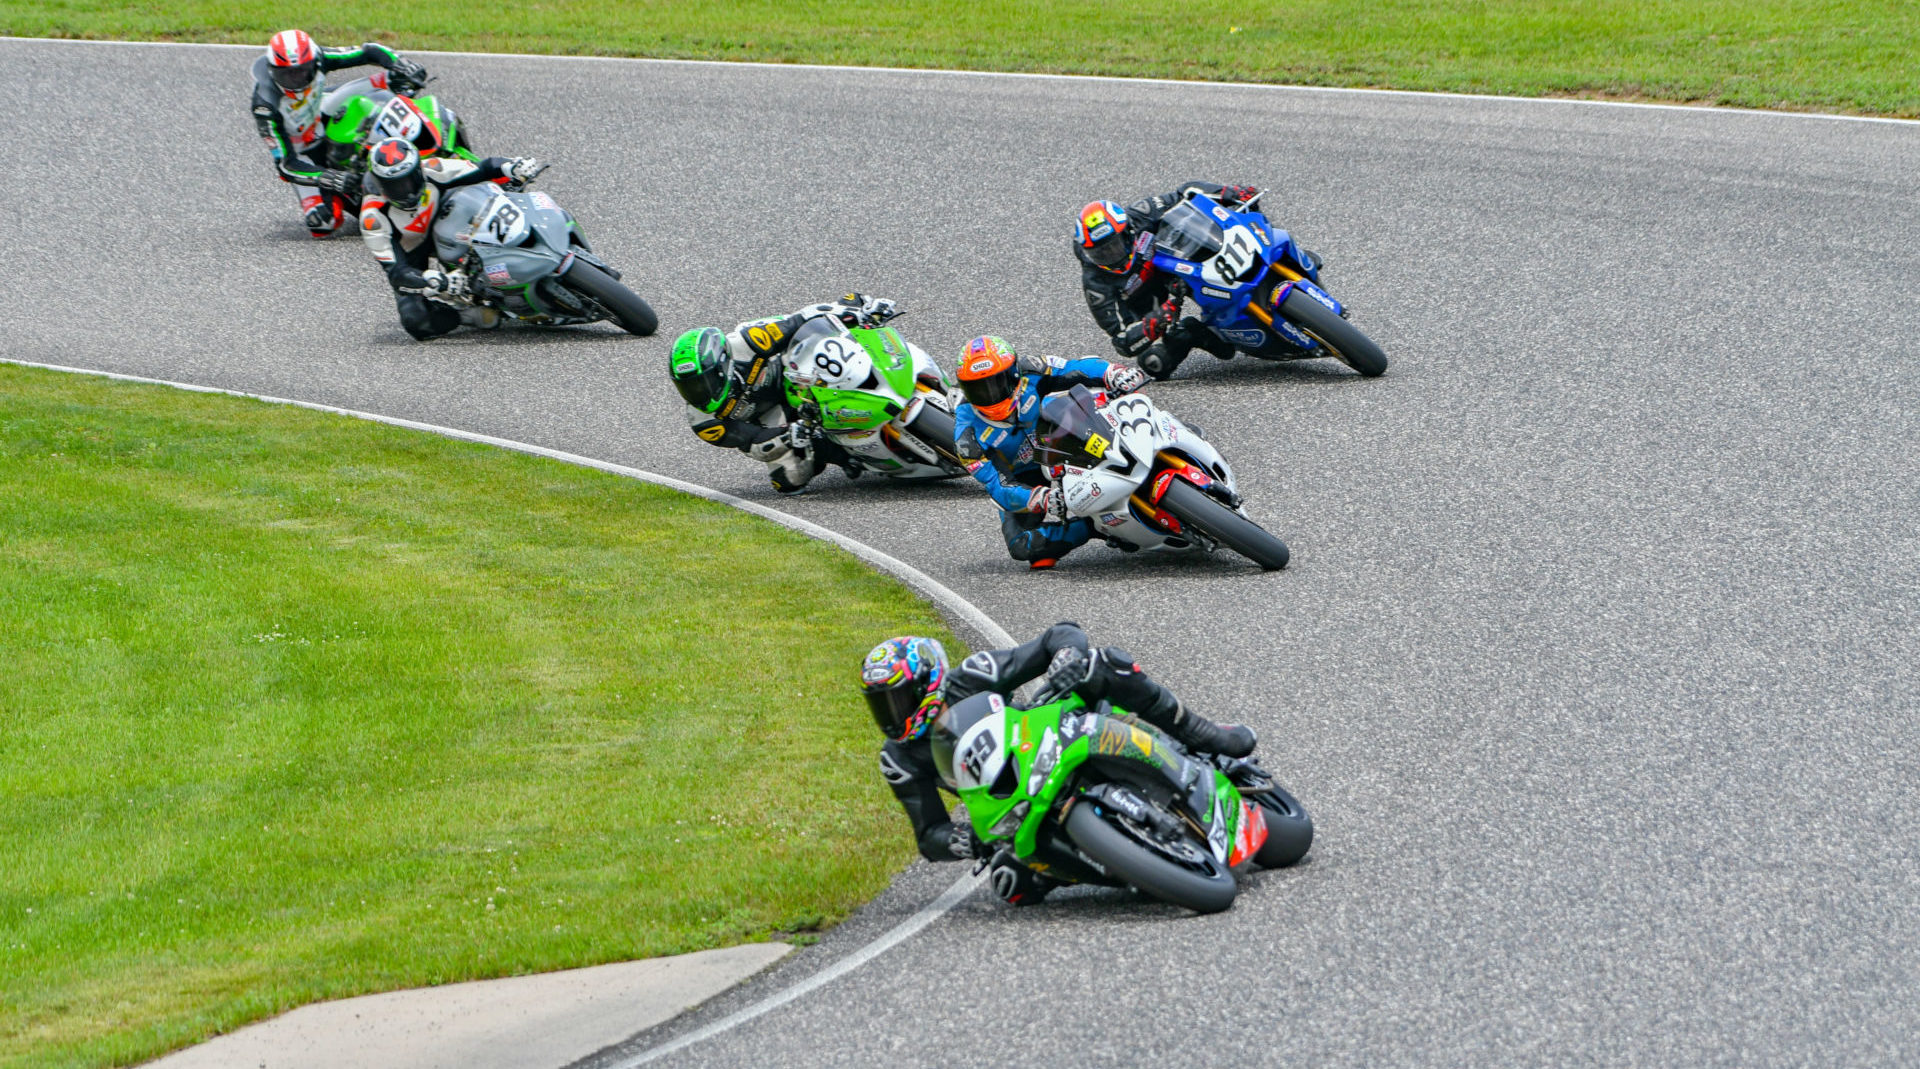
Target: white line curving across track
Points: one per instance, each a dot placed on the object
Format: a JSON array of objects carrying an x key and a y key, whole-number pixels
[{"x": 1597, "y": 657}]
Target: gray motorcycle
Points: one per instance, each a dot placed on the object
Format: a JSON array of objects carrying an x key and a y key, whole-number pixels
[{"x": 523, "y": 254}]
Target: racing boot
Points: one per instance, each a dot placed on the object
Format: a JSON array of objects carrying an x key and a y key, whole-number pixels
[
  {"x": 1196, "y": 732},
  {"x": 1014, "y": 883},
  {"x": 480, "y": 316},
  {"x": 322, "y": 215},
  {"x": 791, "y": 473}
]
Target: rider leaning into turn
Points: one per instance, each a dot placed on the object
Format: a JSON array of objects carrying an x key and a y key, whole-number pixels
[
  {"x": 994, "y": 436},
  {"x": 736, "y": 391},
  {"x": 908, "y": 684},
  {"x": 289, "y": 83},
  {"x": 404, "y": 195},
  {"x": 1130, "y": 301}
]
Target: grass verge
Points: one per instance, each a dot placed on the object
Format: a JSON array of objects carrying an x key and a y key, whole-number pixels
[
  {"x": 1830, "y": 55},
  {"x": 297, "y": 707}
]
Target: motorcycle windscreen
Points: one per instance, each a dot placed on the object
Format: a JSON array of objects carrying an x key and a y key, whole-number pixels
[
  {"x": 1071, "y": 430},
  {"x": 1188, "y": 233}
]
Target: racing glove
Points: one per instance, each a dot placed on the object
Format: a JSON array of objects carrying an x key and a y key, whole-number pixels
[
  {"x": 1123, "y": 379},
  {"x": 1237, "y": 194},
  {"x": 345, "y": 183},
  {"x": 524, "y": 169},
  {"x": 1041, "y": 500},
  {"x": 1156, "y": 325},
  {"x": 1070, "y": 668},
  {"x": 405, "y": 70}
]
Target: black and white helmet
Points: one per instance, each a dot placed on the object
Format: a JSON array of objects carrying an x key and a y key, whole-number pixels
[{"x": 395, "y": 166}]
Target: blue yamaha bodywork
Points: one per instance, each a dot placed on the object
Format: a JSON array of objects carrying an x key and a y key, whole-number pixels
[{"x": 1231, "y": 260}]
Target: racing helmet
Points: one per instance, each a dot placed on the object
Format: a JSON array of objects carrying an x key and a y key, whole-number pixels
[
  {"x": 701, "y": 368},
  {"x": 293, "y": 60},
  {"x": 395, "y": 166},
  {"x": 1104, "y": 238},
  {"x": 905, "y": 680},
  {"x": 990, "y": 378}
]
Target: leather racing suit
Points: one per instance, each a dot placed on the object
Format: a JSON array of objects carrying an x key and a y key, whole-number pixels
[
  {"x": 1111, "y": 674},
  {"x": 1001, "y": 458},
  {"x": 758, "y": 420},
  {"x": 401, "y": 240},
  {"x": 293, "y": 128}
]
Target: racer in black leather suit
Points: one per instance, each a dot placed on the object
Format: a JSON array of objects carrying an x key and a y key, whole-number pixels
[
  {"x": 1130, "y": 300},
  {"x": 1062, "y": 652}
]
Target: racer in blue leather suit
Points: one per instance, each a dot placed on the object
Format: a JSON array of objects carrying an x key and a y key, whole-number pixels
[{"x": 994, "y": 436}]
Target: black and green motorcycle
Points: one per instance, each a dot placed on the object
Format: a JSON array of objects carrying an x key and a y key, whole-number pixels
[
  {"x": 1091, "y": 795},
  {"x": 366, "y": 110}
]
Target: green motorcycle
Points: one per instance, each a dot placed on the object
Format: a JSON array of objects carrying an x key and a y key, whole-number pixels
[
  {"x": 366, "y": 110},
  {"x": 1090, "y": 795},
  {"x": 878, "y": 396}
]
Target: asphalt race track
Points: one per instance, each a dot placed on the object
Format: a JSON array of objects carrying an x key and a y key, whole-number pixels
[{"x": 1597, "y": 659}]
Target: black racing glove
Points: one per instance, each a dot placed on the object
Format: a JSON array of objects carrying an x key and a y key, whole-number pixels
[
  {"x": 1070, "y": 668},
  {"x": 1237, "y": 194},
  {"x": 406, "y": 75},
  {"x": 345, "y": 183}
]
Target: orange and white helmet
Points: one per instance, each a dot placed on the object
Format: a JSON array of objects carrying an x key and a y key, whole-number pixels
[{"x": 293, "y": 59}]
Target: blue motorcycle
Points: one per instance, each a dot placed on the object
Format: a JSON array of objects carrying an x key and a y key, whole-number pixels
[{"x": 1257, "y": 290}]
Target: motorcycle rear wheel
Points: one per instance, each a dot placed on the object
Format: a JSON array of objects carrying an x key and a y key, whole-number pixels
[
  {"x": 935, "y": 427},
  {"x": 1289, "y": 829},
  {"x": 1127, "y": 859},
  {"x": 1191, "y": 505},
  {"x": 1341, "y": 338},
  {"x": 627, "y": 309}
]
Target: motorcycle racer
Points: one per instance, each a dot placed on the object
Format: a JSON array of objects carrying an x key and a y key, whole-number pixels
[
  {"x": 289, "y": 83},
  {"x": 908, "y": 684},
  {"x": 994, "y": 437},
  {"x": 735, "y": 388},
  {"x": 1134, "y": 305},
  {"x": 402, "y": 200}
]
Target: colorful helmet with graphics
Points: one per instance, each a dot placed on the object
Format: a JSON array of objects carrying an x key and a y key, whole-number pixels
[
  {"x": 395, "y": 166},
  {"x": 905, "y": 682},
  {"x": 701, "y": 368},
  {"x": 990, "y": 378},
  {"x": 1104, "y": 238},
  {"x": 293, "y": 60}
]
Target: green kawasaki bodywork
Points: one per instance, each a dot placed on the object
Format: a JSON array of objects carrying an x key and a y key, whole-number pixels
[
  {"x": 347, "y": 133},
  {"x": 1048, "y": 745},
  {"x": 864, "y": 410}
]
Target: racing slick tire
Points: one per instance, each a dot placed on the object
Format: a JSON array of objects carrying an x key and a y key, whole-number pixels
[
  {"x": 627, "y": 309},
  {"x": 1289, "y": 828},
  {"x": 1341, "y": 338},
  {"x": 1191, "y": 505},
  {"x": 1133, "y": 862}
]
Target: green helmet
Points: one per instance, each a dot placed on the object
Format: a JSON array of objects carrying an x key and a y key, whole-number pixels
[{"x": 701, "y": 368}]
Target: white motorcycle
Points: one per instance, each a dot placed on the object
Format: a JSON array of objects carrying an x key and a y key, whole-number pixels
[
  {"x": 1145, "y": 479},
  {"x": 875, "y": 394}
]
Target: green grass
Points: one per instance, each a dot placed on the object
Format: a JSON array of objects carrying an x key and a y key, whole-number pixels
[
  {"x": 296, "y": 707},
  {"x": 1837, "y": 55}
]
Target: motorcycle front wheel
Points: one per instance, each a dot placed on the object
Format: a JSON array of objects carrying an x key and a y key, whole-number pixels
[
  {"x": 1340, "y": 337},
  {"x": 1207, "y": 889},
  {"x": 627, "y": 309},
  {"x": 1191, "y": 505}
]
